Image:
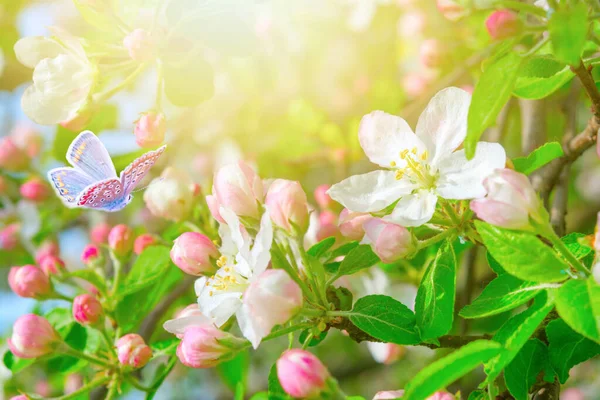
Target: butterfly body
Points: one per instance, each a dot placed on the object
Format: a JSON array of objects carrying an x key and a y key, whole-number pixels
[{"x": 93, "y": 182}]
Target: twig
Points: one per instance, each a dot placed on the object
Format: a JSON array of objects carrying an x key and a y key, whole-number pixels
[
  {"x": 149, "y": 324},
  {"x": 454, "y": 342},
  {"x": 548, "y": 391},
  {"x": 533, "y": 121},
  {"x": 586, "y": 79}
]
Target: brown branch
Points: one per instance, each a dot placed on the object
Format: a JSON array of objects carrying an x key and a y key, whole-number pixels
[
  {"x": 455, "y": 342},
  {"x": 586, "y": 79},
  {"x": 149, "y": 324},
  {"x": 548, "y": 391}
]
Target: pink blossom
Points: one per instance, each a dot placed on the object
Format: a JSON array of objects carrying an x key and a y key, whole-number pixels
[
  {"x": 321, "y": 196},
  {"x": 194, "y": 253},
  {"x": 388, "y": 240},
  {"x": 120, "y": 240},
  {"x": 29, "y": 281},
  {"x": 90, "y": 254},
  {"x": 301, "y": 374},
  {"x": 503, "y": 24},
  {"x": 47, "y": 248},
  {"x": 388, "y": 395},
  {"x": 287, "y": 204},
  {"x": 99, "y": 233},
  {"x": 133, "y": 351},
  {"x": 52, "y": 265},
  {"x": 9, "y": 236},
  {"x": 272, "y": 299},
  {"x": 351, "y": 224},
  {"x": 511, "y": 201},
  {"x": 150, "y": 129},
  {"x": 32, "y": 337},
  {"x": 87, "y": 310},
  {"x": 238, "y": 188},
  {"x": 203, "y": 346},
  {"x": 143, "y": 241},
  {"x": 189, "y": 316},
  {"x": 35, "y": 190}
]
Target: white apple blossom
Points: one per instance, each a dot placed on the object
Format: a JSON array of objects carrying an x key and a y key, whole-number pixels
[
  {"x": 241, "y": 263},
  {"x": 62, "y": 78},
  {"x": 419, "y": 167}
]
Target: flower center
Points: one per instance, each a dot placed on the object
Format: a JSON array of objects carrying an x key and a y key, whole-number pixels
[
  {"x": 417, "y": 170},
  {"x": 227, "y": 279}
]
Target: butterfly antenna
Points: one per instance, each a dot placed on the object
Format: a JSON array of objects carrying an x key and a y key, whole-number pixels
[{"x": 147, "y": 186}]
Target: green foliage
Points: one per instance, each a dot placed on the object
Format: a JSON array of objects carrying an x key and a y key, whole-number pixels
[
  {"x": 514, "y": 334},
  {"x": 522, "y": 371},
  {"x": 567, "y": 348},
  {"x": 385, "y": 319},
  {"x": 147, "y": 269},
  {"x": 522, "y": 254},
  {"x": 491, "y": 92},
  {"x": 538, "y": 158},
  {"x": 446, "y": 370},
  {"x": 434, "y": 306},
  {"x": 502, "y": 294},
  {"x": 541, "y": 76},
  {"x": 234, "y": 372},
  {"x": 568, "y": 29},
  {"x": 320, "y": 249},
  {"x": 578, "y": 303},
  {"x": 358, "y": 258}
]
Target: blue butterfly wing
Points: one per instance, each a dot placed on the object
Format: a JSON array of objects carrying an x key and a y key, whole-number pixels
[
  {"x": 69, "y": 183},
  {"x": 138, "y": 169},
  {"x": 88, "y": 155},
  {"x": 106, "y": 195}
]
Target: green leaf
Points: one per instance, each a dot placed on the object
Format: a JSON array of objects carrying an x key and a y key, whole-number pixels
[
  {"x": 148, "y": 269},
  {"x": 515, "y": 333},
  {"x": 573, "y": 243},
  {"x": 315, "y": 340},
  {"x": 538, "y": 158},
  {"x": 321, "y": 248},
  {"x": 343, "y": 250},
  {"x": 568, "y": 29},
  {"x": 578, "y": 303},
  {"x": 522, "y": 371},
  {"x": 491, "y": 92},
  {"x": 541, "y": 66},
  {"x": 494, "y": 265},
  {"x": 385, "y": 319},
  {"x": 567, "y": 348},
  {"x": 444, "y": 371},
  {"x": 502, "y": 294},
  {"x": 88, "y": 275},
  {"x": 434, "y": 306},
  {"x": 360, "y": 257},
  {"x": 164, "y": 347},
  {"x": 235, "y": 371},
  {"x": 539, "y": 88},
  {"x": 189, "y": 82},
  {"x": 16, "y": 364},
  {"x": 478, "y": 395},
  {"x": 522, "y": 254},
  {"x": 276, "y": 392}
]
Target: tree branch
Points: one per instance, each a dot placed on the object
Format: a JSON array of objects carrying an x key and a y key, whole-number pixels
[
  {"x": 154, "y": 317},
  {"x": 533, "y": 121},
  {"x": 586, "y": 79}
]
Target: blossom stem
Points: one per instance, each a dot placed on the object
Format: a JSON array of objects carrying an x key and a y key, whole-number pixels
[
  {"x": 434, "y": 239},
  {"x": 136, "y": 384},
  {"x": 310, "y": 312},
  {"x": 287, "y": 330},
  {"x": 109, "y": 342},
  {"x": 286, "y": 266},
  {"x": 559, "y": 246},
  {"x": 84, "y": 389},
  {"x": 102, "y": 97},
  {"x": 113, "y": 388},
  {"x": 76, "y": 353},
  {"x": 451, "y": 212}
]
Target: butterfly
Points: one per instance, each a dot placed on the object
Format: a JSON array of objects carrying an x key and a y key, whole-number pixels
[{"x": 92, "y": 182}]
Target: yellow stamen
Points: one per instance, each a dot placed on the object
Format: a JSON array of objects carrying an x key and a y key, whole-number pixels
[{"x": 393, "y": 164}]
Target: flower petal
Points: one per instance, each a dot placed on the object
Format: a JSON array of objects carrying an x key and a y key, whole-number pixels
[
  {"x": 220, "y": 306},
  {"x": 250, "y": 326},
  {"x": 31, "y": 50},
  {"x": 443, "y": 124},
  {"x": 178, "y": 325},
  {"x": 41, "y": 111},
  {"x": 261, "y": 248},
  {"x": 383, "y": 136},
  {"x": 414, "y": 209},
  {"x": 370, "y": 192},
  {"x": 463, "y": 179}
]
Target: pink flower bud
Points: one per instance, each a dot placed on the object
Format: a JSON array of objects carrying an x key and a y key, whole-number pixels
[
  {"x": 511, "y": 201},
  {"x": 9, "y": 237},
  {"x": 416, "y": 83},
  {"x": 87, "y": 309},
  {"x": 321, "y": 196},
  {"x": 52, "y": 265},
  {"x": 272, "y": 299},
  {"x": 432, "y": 53},
  {"x": 204, "y": 346},
  {"x": 90, "y": 254},
  {"x": 213, "y": 207},
  {"x": 389, "y": 241},
  {"x": 301, "y": 373},
  {"x": 238, "y": 188},
  {"x": 27, "y": 138},
  {"x": 503, "y": 24},
  {"x": 29, "y": 281},
  {"x": 47, "y": 248},
  {"x": 19, "y": 397},
  {"x": 120, "y": 240},
  {"x": 150, "y": 129},
  {"x": 327, "y": 225},
  {"x": 12, "y": 157},
  {"x": 140, "y": 45},
  {"x": 99, "y": 233},
  {"x": 388, "y": 394},
  {"x": 143, "y": 241},
  {"x": 386, "y": 353},
  {"x": 351, "y": 224},
  {"x": 32, "y": 337},
  {"x": 35, "y": 190},
  {"x": 73, "y": 383},
  {"x": 43, "y": 388},
  {"x": 193, "y": 253},
  {"x": 132, "y": 351},
  {"x": 451, "y": 9},
  {"x": 287, "y": 204},
  {"x": 441, "y": 395}
]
